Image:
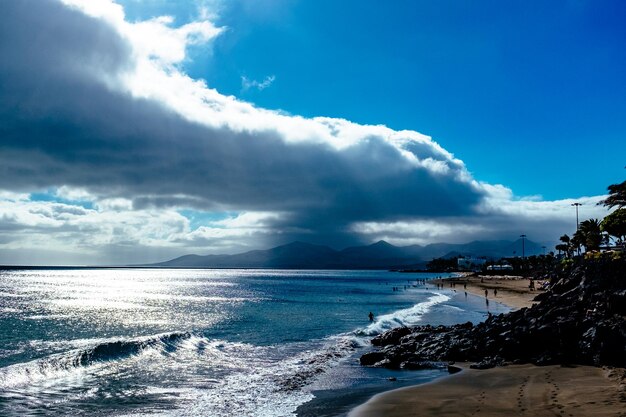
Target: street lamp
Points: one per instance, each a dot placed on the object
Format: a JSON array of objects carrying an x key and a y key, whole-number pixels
[{"x": 576, "y": 205}]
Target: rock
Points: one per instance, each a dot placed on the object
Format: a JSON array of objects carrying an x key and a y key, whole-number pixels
[
  {"x": 391, "y": 337},
  {"x": 452, "y": 369},
  {"x": 487, "y": 363},
  {"x": 581, "y": 320},
  {"x": 371, "y": 358}
]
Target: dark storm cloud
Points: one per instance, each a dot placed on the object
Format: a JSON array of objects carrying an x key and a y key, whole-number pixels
[{"x": 62, "y": 123}]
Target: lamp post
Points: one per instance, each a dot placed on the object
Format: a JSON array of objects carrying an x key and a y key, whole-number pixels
[
  {"x": 576, "y": 205},
  {"x": 523, "y": 253}
]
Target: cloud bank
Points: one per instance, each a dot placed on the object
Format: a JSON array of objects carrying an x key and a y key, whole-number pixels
[{"x": 98, "y": 115}]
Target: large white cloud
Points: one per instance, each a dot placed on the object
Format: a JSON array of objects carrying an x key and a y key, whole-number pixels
[{"x": 94, "y": 105}]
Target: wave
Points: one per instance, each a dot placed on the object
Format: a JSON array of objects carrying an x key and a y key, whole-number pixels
[
  {"x": 201, "y": 373},
  {"x": 58, "y": 365},
  {"x": 122, "y": 348},
  {"x": 341, "y": 346},
  {"x": 406, "y": 317}
]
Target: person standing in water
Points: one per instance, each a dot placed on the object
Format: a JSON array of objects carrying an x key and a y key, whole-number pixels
[{"x": 371, "y": 316}]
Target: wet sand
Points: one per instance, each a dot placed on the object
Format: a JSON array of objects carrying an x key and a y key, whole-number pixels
[
  {"x": 512, "y": 291},
  {"x": 516, "y": 390}
]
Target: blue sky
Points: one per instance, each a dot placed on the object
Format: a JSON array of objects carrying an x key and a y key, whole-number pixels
[
  {"x": 529, "y": 94},
  {"x": 140, "y": 130}
]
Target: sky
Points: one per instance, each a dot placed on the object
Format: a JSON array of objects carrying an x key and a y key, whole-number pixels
[{"x": 137, "y": 131}]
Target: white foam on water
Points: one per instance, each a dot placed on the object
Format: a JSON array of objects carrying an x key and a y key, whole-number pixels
[
  {"x": 48, "y": 317},
  {"x": 405, "y": 317},
  {"x": 267, "y": 386},
  {"x": 193, "y": 374},
  {"x": 58, "y": 368},
  {"x": 79, "y": 360},
  {"x": 250, "y": 380},
  {"x": 260, "y": 381}
]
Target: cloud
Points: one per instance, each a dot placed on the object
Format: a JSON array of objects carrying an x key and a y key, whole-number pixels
[
  {"x": 99, "y": 109},
  {"x": 247, "y": 84},
  {"x": 37, "y": 227}
]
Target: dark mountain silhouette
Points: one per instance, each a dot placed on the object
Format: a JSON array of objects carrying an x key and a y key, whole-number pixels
[{"x": 380, "y": 255}]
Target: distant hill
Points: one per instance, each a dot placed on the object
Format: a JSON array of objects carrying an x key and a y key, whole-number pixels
[{"x": 380, "y": 255}]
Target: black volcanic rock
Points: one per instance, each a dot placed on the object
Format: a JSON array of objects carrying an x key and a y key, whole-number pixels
[
  {"x": 391, "y": 337},
  {"x": 579, "y": 320}
]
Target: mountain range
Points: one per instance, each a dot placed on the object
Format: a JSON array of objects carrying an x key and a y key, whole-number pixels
[{"x": 380, "y": 255}]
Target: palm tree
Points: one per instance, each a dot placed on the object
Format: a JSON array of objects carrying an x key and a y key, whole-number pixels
[
  {"x": 578, "y": 240},
  {"x": 566, "y": 246},
  {"x": 617, "y": 196},
  {"x": 589, "y": 235}
]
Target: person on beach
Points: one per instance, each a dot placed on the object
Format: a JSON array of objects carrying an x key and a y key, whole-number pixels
[
  {"x": 371, "y": 316},
  {"x": 486, "y": 293},
  {"x": 495, "y": 292}
]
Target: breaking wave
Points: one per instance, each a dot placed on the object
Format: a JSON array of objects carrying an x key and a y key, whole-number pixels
[
  {"x": 58, "y": 365},
  {"x": 406, "y": 317}
]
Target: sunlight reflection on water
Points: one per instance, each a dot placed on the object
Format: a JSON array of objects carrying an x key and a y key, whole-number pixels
[{"x": 178, "y": 342}]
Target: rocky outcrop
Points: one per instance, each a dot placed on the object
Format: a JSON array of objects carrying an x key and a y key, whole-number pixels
[{"x": 580, "y": 320}]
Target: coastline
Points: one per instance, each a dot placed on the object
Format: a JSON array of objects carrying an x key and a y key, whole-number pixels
[{"x": 512, "y": 390}]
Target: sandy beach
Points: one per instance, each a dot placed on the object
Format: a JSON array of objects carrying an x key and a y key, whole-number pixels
[
  {"x": 524, "y": 390},
  {"x": 512, "y": 291}
]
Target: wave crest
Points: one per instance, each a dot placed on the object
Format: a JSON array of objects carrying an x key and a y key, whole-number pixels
[
  {"x": 406, "y": 317},
  {"x": 65, "y": 364}
]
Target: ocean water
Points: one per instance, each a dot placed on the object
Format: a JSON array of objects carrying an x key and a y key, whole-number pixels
[{"x": 134, "y": 342}]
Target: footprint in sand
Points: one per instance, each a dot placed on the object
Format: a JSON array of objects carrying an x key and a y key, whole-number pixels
[{"x": 481, "y": 401}]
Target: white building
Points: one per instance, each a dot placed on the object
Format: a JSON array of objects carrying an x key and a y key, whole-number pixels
[{"x": 504, "y": 267}]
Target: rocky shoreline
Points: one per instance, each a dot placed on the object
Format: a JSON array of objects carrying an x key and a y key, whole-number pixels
[{"x": 581, "y": 319}]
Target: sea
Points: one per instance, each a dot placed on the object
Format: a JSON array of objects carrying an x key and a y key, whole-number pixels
[{"x": 209, "y": 342}]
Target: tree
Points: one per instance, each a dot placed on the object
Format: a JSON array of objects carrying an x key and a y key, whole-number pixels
[
  {"x": 578, "y": 240},
  {"x": 561, "y": 247},
  {"x": 615, "y": 225},
  {"x": 589, "y": 235},
  {"x": 617, "y": 196},
  {"x": 566, "y": 246},
  {"x": 442, "y": 265}
]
